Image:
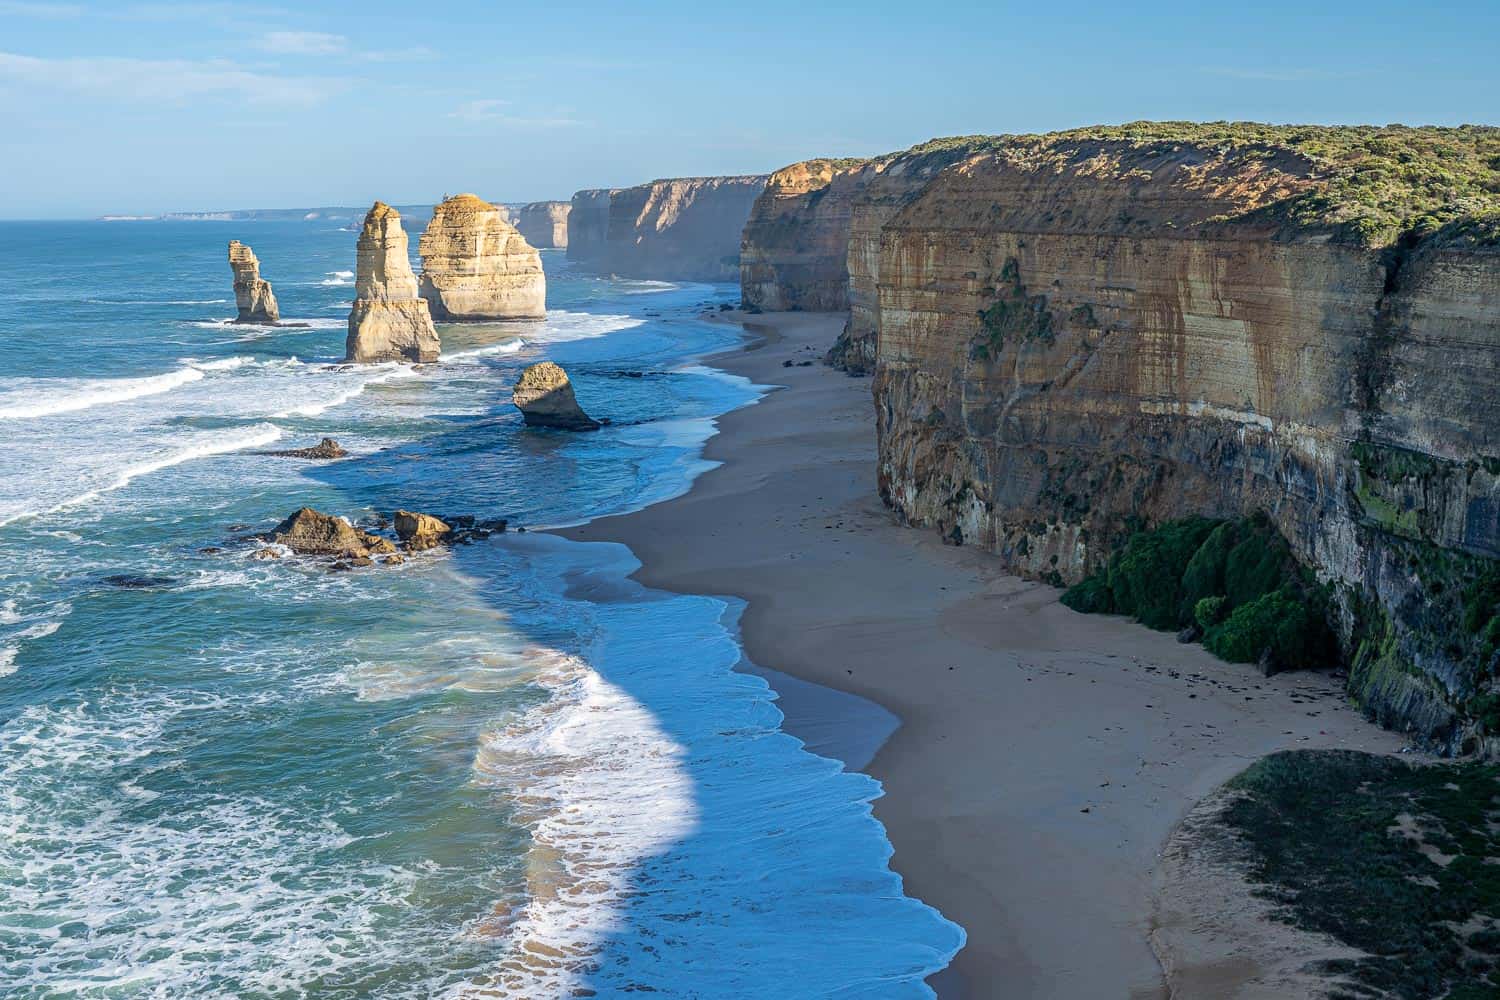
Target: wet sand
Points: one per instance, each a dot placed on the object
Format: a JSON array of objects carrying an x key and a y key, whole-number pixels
[{"x": 1043, "y": 757}]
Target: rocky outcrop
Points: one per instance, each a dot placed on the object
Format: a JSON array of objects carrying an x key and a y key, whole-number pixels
[
  {"x": 680, "y": 229},
  {"x": 476, "y": 266},
  {"x": 312, "y": 533},
  {"x": 1083, "y": 333},
  {"x": 419, "y": 532},
  {"x": 588, "y": 225},
  {"x": 794, "y": 253},
  {"x": 545, "y": 398},
  {"x": 389, "y": 321},
  {"x": 327, "y": 448},
  {"x": 253, "y": 299},
  {"x": 544, "y": 224}
]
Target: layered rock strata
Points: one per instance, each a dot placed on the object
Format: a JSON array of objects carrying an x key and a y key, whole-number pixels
[
  {"x": 795, "y": 246},
  {"x": 588, "y": 225},
  {"x": 389, "y": 321},
  {"x": 477, "y": 266},
  {"x": 1084, "y": 333},
  {"x": 545, "y": 398},
  {"x": 253, "y": 299}
]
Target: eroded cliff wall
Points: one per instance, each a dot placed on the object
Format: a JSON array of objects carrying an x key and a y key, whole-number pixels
[
  {"x": 544, "y": 224},
  {"x": 1081, "y": 336},
  {"x": 588, "y": 225},
  {"x": 795, "y": 247},
  {"x": 683, "y": 229}
]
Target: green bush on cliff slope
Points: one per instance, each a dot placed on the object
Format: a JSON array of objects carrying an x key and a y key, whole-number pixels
[
  {"x": 1235, "y": 580},
  {"x": 1391, "y": 859}
]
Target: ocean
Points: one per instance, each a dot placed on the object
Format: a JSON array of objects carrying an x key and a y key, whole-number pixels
[{"x": 501, "y": 769}]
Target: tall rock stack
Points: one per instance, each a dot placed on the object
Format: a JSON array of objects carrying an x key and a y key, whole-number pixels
[
  {"x": 389, "y": 322},
  {"x": 476, "y": 266},
  {"x": 253, "y": 297}
]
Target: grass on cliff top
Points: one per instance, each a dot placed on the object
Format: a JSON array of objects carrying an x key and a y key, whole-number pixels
[
  {"x": 1376, "y": 184},
  {"x": 1391, "y": 858}
]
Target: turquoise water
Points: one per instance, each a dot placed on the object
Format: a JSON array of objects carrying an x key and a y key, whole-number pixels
[{"x": 500, "y": 770}]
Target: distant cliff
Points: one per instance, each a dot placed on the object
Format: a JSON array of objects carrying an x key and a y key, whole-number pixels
[
  {"x": 544, "y": 224},
  {"x": 1083, "y": 334},
  {"x": 588, "y": 225},
  {"x": 684, "y": 228}
]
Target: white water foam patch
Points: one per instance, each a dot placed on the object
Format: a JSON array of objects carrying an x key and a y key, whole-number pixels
[
  {"x": 338, "y": 278},
  {"x": 8, "y": 660},
  {"x": 28, "y": 399},
  {"x": 102, "y": 894},
  {"x": 685, "y": 845}
]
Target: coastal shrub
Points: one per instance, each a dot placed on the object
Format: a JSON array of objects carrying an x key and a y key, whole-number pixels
[
  {"x": 1290, "y": 625},
  {"x": 1204, "y": 576},
  {"x": 1091, "y": 596},
  {"x": 1347, "y": 844},
  {"x": 1210, "y": 611},
  {"x": 1259, "y": 564},
  {"x": 1146, "y": 578}
]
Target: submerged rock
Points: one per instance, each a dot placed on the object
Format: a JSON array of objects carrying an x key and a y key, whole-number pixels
[
  {"x": 130, "y": 581},
  {"x": 545, "y": 398},
  {"x": 476, "y": 266},
  {"x": 253, "y": 298},
  {"x": 420, "y": 531},
  {"x": 312, "y": 533},
  {"x": 327, "y": 448},
  {"x": 388, "y": 322}
]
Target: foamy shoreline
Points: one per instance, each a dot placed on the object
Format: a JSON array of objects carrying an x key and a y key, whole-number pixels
[{"x": 1043, "y": 757}]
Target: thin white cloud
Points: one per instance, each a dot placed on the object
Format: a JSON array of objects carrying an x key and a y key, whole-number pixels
[
  {"x": 59, "y": 11},
  {"x": 416, "y": 52},
  {"x": 170, "y": 81},
  {"x": 494, "y": 110},
  {"x": 302, "y": 43}
]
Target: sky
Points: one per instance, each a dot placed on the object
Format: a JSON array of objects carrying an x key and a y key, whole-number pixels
[{"x": 141, "y": 108}]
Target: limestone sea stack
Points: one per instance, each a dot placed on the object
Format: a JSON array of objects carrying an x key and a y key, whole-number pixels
[
  {"x": 253, "y": 297},
  {"x": 477, "y": 266},
  {"x": 389, "y": 321},
  {"x": 545, "y": 398}
]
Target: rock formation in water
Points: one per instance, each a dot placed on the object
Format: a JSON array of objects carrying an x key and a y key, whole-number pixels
[
  {"x": 420, "y": 531},
  {"x": 313, "y": 533},
  {"x": 476, "y": 266},
  {"x": 327, "y": 448},
  {"x": 545, "y": 398},
  {"x": 389, "y": 321},
  {"x": 588, "y": 225},
  {"x": 544, "y": 224},
  {"x": 1082, "y": 333},
  {"x": 680, "y": 229},
  {"x": 253, "y": 298}
]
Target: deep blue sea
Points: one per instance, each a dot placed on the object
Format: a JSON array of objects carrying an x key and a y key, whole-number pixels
[{"x": 501, "y": 770}]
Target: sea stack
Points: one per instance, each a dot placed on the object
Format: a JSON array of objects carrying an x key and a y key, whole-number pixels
[
  {"x": 477, "y": 266},
  {"x": 253, "y": 297},
  {"x": 389, "y": 322},
  {"x": 545, "y": 398}
]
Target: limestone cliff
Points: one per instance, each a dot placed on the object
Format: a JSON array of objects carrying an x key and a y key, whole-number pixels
[
  {"x": 476, "y": 266},
  {"x": 588, "y": 224},
  {"x": 388, "y": 322},
  {"x": 680, "y": 229},
  {"x": 544, "y": 224},
  {"x": 253, "y": 298},
  {"x": 1083, "y": 333},
  {"x": 795, "y": 248}
]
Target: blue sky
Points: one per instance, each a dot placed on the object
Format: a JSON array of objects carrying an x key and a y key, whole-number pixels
[{"x": 147, "y": 107}]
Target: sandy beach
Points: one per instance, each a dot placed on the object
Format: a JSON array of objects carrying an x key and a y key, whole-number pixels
[{"x": 1043, "y": 757}]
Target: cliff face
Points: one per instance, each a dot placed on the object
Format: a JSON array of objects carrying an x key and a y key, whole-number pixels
[
  {"x": 685, "y": 229},
  {"x": 388, "y": 322},
  {"x": 1079, "y": 336},
  {"x": 544, "y": 224},
  {"x": 795, "y": 247},
  {"x": 588, "y": 224},
  {"x": 475, "y": 265},
  {"x": 253, "y": 298}
]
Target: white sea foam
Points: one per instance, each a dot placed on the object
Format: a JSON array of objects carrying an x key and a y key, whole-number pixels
[
  {"x": 26, "y": 399},
  {"x": 8, "y": 660}
]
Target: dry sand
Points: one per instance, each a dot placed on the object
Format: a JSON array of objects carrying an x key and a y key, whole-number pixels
[{"x": 1043, "y": 756}]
